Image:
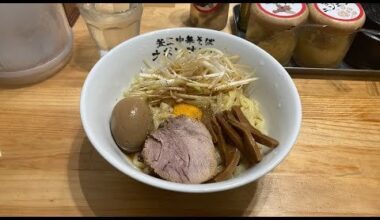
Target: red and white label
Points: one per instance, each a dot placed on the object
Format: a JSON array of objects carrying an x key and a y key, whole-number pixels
[
  {"x": 340, "y": 11},
  {"x": 206, "y": 7},
  {"x": 283, "y": 10}
]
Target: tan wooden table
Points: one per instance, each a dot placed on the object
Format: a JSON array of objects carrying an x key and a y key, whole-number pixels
[{"x": 48, "y": 166}]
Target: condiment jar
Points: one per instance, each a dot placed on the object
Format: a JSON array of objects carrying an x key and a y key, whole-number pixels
[
  {"x": 209, "y": 15},
  {"x": 271, "y": 27},
  {"x": 325, "y": 44}
]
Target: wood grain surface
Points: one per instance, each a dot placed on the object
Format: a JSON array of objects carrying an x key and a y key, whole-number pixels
[{"x": 49, "y": 168}]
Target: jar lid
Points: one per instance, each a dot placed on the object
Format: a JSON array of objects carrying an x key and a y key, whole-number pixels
[
  {"x": 281, "y": 14},
  {"x": 346, "y": 17}
]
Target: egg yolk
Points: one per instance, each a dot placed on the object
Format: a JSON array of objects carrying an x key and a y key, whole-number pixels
[{"x": 188, "y": 110}]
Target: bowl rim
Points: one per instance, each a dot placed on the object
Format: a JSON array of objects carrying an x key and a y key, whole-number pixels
[{"x": 192, "y": 188}]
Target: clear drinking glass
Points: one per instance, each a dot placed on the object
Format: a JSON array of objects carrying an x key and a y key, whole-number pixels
[{"x": 111, "y": 23}]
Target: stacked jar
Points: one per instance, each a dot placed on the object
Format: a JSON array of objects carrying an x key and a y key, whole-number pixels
[
  {"x": 325, "y": 43},
  {"x": 209, "y": 15},
  {"x": 271, "y": 26}
]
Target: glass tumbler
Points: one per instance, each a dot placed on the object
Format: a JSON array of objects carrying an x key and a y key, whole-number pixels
[{"x": 111, "y": 23}]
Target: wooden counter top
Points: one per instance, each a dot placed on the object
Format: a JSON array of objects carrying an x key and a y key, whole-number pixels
[{"x": 48, "y": 167}]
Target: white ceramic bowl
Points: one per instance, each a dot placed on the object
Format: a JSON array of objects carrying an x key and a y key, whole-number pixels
[{"x": 275, "y": 92}]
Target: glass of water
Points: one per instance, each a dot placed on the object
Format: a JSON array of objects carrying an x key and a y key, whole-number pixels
[{"x": 111, "y": 23}]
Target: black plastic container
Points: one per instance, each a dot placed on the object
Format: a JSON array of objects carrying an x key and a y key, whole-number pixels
[{"x": 365, "y": 49}]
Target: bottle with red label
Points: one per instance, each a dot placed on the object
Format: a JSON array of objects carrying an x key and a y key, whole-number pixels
[
  {"x": 325, "y": 42},
  {"x": 271, "y": 26},
  {"x": 209, "y": 15}
]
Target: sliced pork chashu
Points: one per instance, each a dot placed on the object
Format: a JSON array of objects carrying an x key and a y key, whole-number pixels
[{"x": 182, "y": 151}]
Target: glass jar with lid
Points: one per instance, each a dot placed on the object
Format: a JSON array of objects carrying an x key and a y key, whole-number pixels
[
  {"x": 209, "y": 15},
  {"x": 325, "y": 43},
  {"x": 271, "y": 26}
]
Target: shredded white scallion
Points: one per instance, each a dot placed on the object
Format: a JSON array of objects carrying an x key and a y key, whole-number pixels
[{"x": 188, "y": 75}]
